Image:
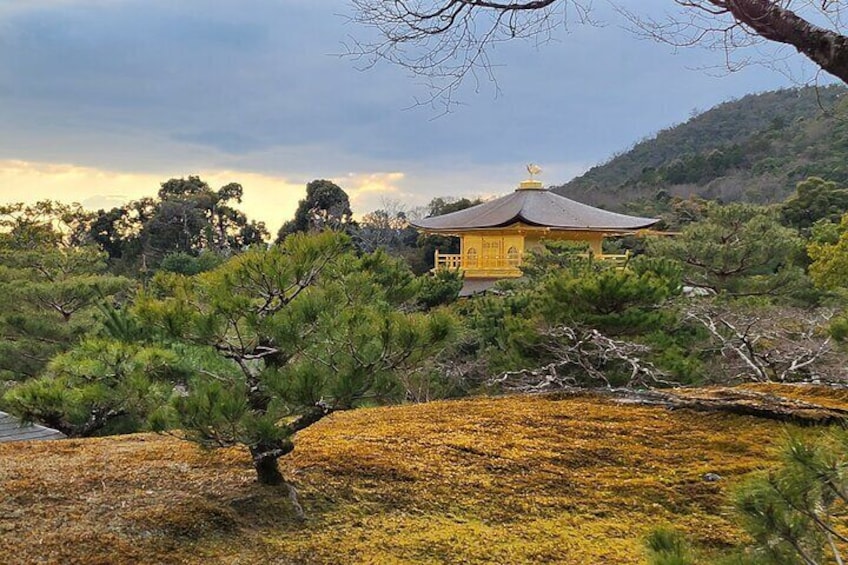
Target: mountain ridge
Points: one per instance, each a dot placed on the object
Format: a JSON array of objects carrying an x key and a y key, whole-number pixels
[{"x": 753, "y": 149}]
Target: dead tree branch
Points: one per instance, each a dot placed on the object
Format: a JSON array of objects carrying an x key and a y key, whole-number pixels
[
  {"x": 770, "y": 344},
  {"x": 585, "y": 357},
  {"x": 736, "y": 400}
]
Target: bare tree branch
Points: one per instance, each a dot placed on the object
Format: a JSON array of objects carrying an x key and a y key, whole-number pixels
[
  {"x": 445, "y": 42},
  {"x": 585, "y": 357},
  {"x": 766, "y": 346}
]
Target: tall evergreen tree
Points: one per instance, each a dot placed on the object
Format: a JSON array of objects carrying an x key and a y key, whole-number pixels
[
  {"x": 187, "y": 217},
  {"x": 325, "y": 205},
  {"x": 815, "y": 199}
]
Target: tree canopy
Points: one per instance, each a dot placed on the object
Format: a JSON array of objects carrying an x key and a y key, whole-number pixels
[
  {"x": 739, "y": 249},
  {"x": 829, "y": 252},
  {"x": 289, "y": 334},
  {"x": 815, "y": 199},
  {"x": 187, "y": 216},
  {"x": 51, "y": 282},
  {"x": 326, "y": 205}
]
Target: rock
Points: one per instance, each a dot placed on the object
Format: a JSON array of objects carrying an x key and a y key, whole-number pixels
[{"x": 712, "y": 477}]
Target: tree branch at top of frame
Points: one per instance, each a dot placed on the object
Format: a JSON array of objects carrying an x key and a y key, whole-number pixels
[{"x": 446, "y": 42}]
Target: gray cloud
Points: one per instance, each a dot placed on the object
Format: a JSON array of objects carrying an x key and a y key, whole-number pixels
[{"x": 152, "y": 85}]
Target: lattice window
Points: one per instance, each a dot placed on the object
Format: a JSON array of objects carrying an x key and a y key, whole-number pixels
[
  {"x": 513, "y": 257},
  {"x": 492, "y": 253},
  {"x": 471, "y": 257}
]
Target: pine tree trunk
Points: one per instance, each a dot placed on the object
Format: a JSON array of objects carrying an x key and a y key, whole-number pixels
[
  {"x": 267, "y": 470},
  {"x": 265, "y": 455}
]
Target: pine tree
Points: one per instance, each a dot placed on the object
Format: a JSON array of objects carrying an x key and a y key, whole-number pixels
[
  {"x": 51, "y": 282},
  {"x": 739, "y": 250},
  {"x": 298, "y": 331}
]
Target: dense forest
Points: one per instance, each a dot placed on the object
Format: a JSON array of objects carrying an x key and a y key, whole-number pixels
[
  {"x": 177, "y": 314},
  {"x": 755, "y": 149}
]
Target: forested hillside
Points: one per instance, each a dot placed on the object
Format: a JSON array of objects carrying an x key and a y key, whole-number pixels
[{"x": 754, "y": 149}]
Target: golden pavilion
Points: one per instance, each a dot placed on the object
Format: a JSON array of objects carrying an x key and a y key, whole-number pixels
[{"x": 495, "y": 235}]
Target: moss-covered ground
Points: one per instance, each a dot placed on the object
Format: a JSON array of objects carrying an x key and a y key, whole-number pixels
[{"x": 509, "y": 480}]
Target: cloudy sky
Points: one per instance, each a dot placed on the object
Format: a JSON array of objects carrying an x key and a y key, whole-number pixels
[{"x": 101, "y": 100}]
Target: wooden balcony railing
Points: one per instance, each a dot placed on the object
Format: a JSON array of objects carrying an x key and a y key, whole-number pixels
[
  {"x": 448, "y": 261},
  {"x": 618, "y": 261},
  {"x": 508, "y": 265},
  {"x": 452, "y": 261}
]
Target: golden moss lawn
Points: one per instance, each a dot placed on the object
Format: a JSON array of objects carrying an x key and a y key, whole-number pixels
[{"x": 509, "y": 480}]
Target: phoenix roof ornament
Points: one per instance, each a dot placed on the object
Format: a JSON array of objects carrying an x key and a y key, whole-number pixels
[{"x": 533, "y": 169}]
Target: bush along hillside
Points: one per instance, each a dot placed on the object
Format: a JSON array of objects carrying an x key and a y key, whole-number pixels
[{"x": 755, "y": 149}]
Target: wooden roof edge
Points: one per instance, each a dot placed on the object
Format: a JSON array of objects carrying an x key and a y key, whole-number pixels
[
  {"x": 639, "y": 232},
  {"x": 653, "y": 232},
  {"x": 25, "y": 431}
]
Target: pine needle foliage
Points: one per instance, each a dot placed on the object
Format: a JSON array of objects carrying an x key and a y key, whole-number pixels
[
  {"x": 102, "y": 386},
  {"x": 49, "y": 296},
  {"x": 299, "y": 330},
  {"x": 668, "y": 547},
  {"x": 737, "y": 250},
  {"x": 796, "y": 512}
]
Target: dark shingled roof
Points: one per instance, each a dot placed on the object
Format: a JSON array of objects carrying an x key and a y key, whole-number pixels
[
  {"x": 536, "y": 207},
  {"x": 11, "y": 429}
]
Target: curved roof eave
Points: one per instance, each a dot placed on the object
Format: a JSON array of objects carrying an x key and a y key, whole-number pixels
[{"x": 536, "y": 208}]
